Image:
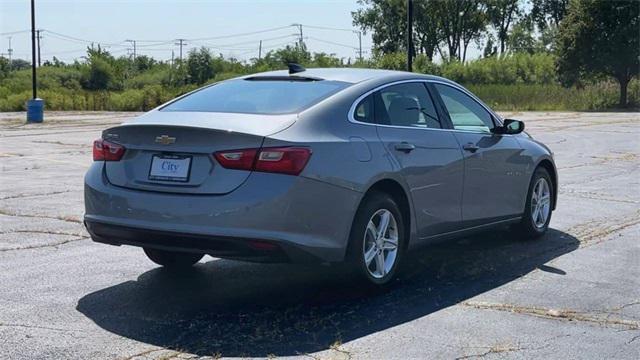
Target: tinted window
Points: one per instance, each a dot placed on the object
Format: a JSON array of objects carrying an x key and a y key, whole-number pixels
[
  {"x": 257, "y": 96},
  {"x": 407, "y": 104},
  {"x": 465, "y": 112},
  {"x": 364, "y": 110}
]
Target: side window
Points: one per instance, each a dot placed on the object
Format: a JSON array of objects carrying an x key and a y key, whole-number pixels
[
  {"x": 364, "y": 110},
  {"x": 465, "y": 112},
  {"x": 407, "y": 104}
]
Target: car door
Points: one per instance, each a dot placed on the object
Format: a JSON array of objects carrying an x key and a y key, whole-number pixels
[
  {"x": 494, "y": 165},
  {"x": 428, "y": 157}
]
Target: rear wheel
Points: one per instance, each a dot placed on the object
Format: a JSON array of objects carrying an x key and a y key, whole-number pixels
[
  {"x": 172, "y": 259},
  {"x": 377, "y": 239},
  {"x": 538, "y": 209}
]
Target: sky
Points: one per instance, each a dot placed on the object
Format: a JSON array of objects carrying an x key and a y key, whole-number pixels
[{"x": 70, "y": 26}]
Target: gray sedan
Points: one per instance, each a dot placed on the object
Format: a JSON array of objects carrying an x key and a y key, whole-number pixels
[{"x": 322, "y": 165}]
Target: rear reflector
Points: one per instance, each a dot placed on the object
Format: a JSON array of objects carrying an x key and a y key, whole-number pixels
[
  {"x": 107, "y": 151},
  {"x": 283, "y": 160},
  {"x": 262, "y": 245}
]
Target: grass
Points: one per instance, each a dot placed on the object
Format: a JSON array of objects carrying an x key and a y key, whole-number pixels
[
  {"x": 516, "y": 97},
  {"x": 534, "y": 97}
]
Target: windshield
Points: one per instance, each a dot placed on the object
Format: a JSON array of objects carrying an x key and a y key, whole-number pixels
[{"x": 257, "y": 96}]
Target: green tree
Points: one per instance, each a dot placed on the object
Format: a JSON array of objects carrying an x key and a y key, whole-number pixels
[
  {"x": 199, "y": 66},
  {"x": 4, "y": 67},
  {"x": 522, "y": 38},
  {"x": 548, "y": 13},
  {"x": 503, "y": 13},
  {"x": 99, "y": 75},
  {"x": 460, "y": 21},
  {"x": 599, "y": 38},
  {"x": 386, "y": 20}
]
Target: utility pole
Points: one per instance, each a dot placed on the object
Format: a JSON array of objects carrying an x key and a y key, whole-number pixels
[
  {"x": 300, "y": 37},
  {"x": 35, "y": 106},
  {"x": 33, "y": 50},
  {"x": 133, "y": 42},
  {"x": 10, "y": 51},
  {"x": 409, "y": 35},
  {"x": 359, "y": 44},
  {"x": 260, "y": 51},
  {"x": 181, "y": 43},
  {"x": 38, "y": 37}
]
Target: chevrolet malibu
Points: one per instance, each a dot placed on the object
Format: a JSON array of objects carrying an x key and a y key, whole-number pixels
[{"x": 317, "y": 165}]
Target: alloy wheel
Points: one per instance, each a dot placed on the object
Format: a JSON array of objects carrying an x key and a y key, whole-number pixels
[
  {"x": 540, "y": 203},
  {"x": 380, "y": 246}
]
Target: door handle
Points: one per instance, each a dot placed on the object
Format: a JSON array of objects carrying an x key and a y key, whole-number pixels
[
  {"x": 470, "y": 147},
  {"x": 405, "y": 147}
]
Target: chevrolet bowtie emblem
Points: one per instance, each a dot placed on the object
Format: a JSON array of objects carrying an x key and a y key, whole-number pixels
[{"x": 165, "y": 139}]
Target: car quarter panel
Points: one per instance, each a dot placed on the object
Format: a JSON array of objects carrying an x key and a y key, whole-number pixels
[{"x": 296, "y": 210}]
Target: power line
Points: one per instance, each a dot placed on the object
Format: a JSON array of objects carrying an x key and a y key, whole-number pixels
[
  {"x": 14, "y": 32},
  {"x": 332, "y": 43},
  {"x": 240, "y": 34},
  {"x": 327, "y": 28},
  {"x": 73, "y": 38},
  {"x": 181, "y": 43},
  {"x": 243, "y": 42},
  {"x": 301, "y": 37},
  {"x": 134, "y": 48}
]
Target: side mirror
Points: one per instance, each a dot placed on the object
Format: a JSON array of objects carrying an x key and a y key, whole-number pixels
[{"x": 510, "y": 126}]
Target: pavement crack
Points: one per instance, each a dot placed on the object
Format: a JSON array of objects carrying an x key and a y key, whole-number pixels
[
  {"x": 27, "y": 326},
  {"x": 596, "y": 196},
  {"x": 496, "y": 349},
  {"x": 588, "y": 234},
  {"x": 336, "y": 346},
  {"x": 20, "y": 196},
  {"x": 43, "y": 232},
  {"x": 61, "y": 218},
  {"x": 555, "y": 314},
  {"x": 44, "y": 245}
]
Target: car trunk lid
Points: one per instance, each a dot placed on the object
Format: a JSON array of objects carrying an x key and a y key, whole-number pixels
[{"x": 186, "y": 141}]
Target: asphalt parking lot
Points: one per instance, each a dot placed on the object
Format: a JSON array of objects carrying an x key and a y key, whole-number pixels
[{"x": 573, "y": 294}]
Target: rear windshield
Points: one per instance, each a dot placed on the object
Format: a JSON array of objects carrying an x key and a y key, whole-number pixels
[{"x": 257, "y": 96}]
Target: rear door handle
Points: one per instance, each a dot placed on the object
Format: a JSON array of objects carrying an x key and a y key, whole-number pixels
[
  {"x": 470, "y": 147},
  {"x": 405, "y": 147}
]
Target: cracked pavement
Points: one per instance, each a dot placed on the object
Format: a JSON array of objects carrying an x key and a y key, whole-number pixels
[{"x": 573, "y": 294}]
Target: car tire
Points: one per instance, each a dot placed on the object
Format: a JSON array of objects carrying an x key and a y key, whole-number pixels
[
  {"x": 172, "y": 259},
  {"x": 537, "y": 213},
  {"x": 366, "y": 240}
]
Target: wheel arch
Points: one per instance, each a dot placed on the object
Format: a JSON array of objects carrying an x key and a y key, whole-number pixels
[
  {"x": 399, "y": 194},
  {"x": 548, "y": 165}
]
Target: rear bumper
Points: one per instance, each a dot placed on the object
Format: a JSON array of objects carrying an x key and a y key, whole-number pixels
[
  {"x": 218, "y": 246},
  {"x": 307, "y": 220}
]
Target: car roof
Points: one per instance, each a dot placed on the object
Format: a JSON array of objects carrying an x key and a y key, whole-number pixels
[{"x": 349, "y": 75}]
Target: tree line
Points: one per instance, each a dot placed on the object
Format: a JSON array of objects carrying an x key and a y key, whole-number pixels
[
  {"x": 591, "y": 39},
  {"x": 582, "y": 45}
]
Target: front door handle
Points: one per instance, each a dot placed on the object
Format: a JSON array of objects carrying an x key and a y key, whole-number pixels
[
  {"x": 470, "y": 147},
  {"x": 405, "y": 147}
]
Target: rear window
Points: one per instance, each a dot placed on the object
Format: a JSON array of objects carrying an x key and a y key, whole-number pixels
[{"x": 257, "y": 96}]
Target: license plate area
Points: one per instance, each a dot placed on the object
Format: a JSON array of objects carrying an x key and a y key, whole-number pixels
[{"x": 173, "y": 168}]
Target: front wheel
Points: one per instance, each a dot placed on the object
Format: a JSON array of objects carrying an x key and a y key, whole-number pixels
[
  {"x": 172, "y": 259},
  {"x": 537, "y": 212},
  {"x": 377, "y": 239}
]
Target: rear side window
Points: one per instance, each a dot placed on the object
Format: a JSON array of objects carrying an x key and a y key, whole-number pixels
[
  {"x": 257, "y": 96},
  {"x": 364, "y": 110},
  {"x": 407, "y": 104}
]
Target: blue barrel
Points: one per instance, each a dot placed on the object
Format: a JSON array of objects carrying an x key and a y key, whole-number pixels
[{"x": 35, "y": 110}]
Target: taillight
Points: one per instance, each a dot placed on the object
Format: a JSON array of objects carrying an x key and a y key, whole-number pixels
[
  {"x": 284, "y": 160},
  {"x": 237, "y": 159},
  {"x": 107, "y": 151}
]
